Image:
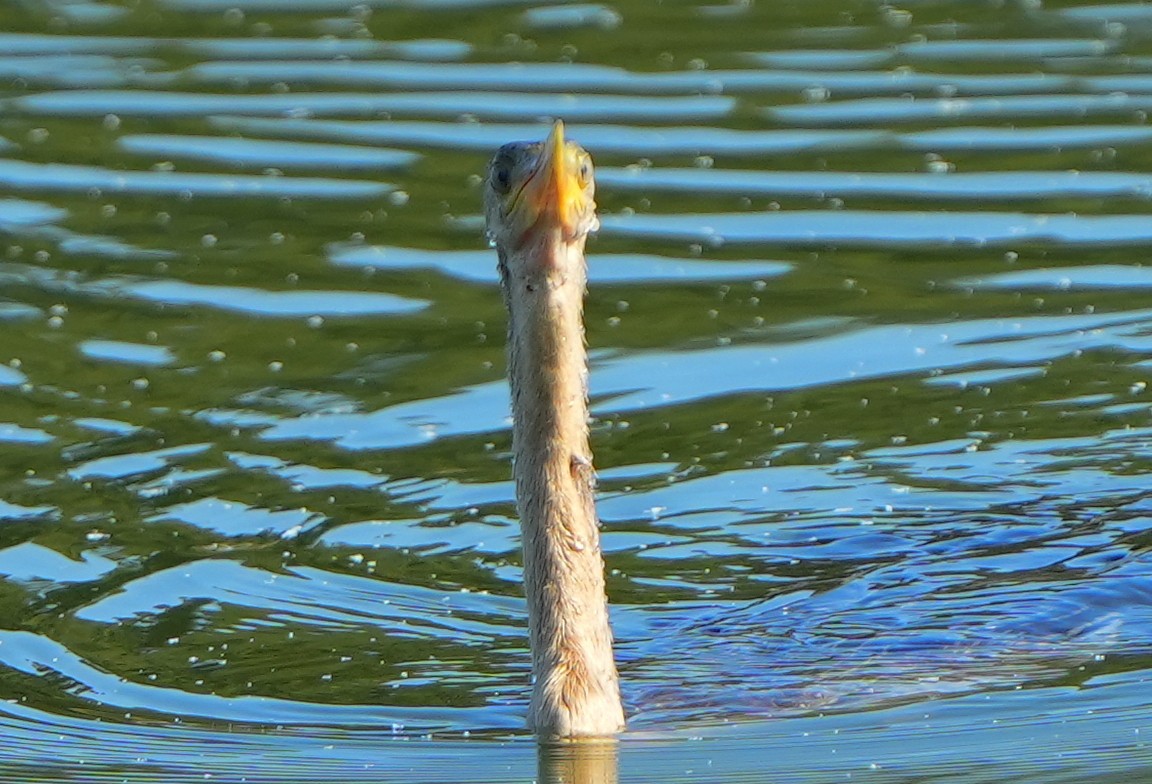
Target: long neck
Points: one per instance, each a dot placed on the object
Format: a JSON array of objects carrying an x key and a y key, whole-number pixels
[{"x": 576, "y": 690}]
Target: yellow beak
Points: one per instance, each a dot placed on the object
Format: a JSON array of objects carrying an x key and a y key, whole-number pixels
[{"x": 555, "y": 189}]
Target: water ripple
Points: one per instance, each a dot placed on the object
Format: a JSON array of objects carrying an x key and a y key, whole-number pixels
[
  {"x": 615, "y": 139},
  {"x": 283, "y": 304},
  {"x": 251, "y": 152},
  {"x": 496, "y": 105},
  {"x": 887, "y": 111},
  {"x": 19, "y": 175},
  {"x": 546, "y": 78},
  {"x": 26, "y": 44},
  {"x": 865, "y": 227},
  {"x": 968, "y": 185}
]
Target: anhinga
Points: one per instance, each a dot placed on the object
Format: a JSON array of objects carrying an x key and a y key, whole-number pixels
[{"x": 538, "y": 200}]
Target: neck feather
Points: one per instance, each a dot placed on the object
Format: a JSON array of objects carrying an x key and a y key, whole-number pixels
[{"x": 576, "y": 690}]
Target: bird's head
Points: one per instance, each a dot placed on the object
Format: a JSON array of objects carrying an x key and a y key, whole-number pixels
[{"x": 540, "y": 193}]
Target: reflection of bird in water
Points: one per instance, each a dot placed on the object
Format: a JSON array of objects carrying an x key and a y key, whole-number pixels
[
  {"x": 538, "y": 201},
  {"x": 583, "y": 761}
]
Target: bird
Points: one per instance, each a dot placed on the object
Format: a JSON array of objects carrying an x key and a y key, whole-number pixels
[{"x": 539, "y": 206}]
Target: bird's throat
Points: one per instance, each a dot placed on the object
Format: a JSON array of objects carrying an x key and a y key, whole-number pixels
[{"x": 576, "y": 691}]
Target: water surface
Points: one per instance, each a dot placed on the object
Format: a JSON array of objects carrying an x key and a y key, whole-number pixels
[{"x": 870, "y": 338}]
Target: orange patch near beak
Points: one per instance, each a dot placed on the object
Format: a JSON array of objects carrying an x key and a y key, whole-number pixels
[{"x": 555, "y": 189}]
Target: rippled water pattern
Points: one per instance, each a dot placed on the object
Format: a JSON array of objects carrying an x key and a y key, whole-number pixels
[{"x": 871, "y": 337}]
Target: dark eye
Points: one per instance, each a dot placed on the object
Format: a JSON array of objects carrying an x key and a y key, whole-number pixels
[
  {"x": 585, "y": 172},
  {"x": 502, "y": 176},
  {"x": 503, "y": 167}
]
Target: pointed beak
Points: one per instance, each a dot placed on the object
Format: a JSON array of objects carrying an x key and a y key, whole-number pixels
[{"x": 555, "y": 189}]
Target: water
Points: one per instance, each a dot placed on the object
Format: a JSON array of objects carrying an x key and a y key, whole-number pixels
[{"x": 871, "y": 344}]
